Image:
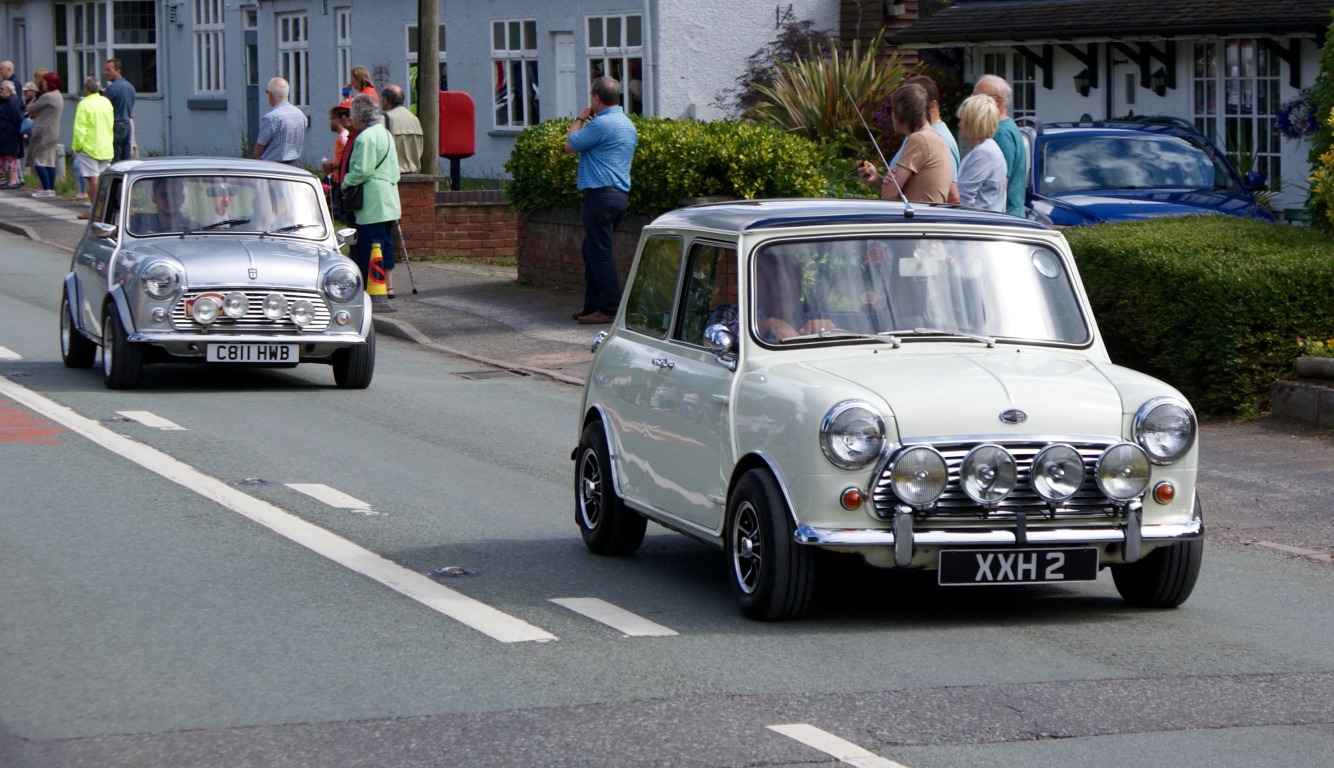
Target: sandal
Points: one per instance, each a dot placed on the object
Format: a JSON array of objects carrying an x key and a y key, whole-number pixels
[{"x": 392, "y": 295}]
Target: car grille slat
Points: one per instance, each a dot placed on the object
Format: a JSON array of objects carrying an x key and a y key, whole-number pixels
[
  {"x": 254, "y": 319},
  {"x": 955, "y": 505}
]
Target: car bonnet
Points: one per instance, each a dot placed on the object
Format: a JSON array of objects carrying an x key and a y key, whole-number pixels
[{"x": 219, "y": 261}]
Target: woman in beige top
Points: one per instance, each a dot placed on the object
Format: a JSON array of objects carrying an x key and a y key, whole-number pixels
[{"x": 925, "y": 167}]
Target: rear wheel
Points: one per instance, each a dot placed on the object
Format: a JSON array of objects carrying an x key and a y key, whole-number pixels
[
  {"x": 772, "y": 575},
  {"x": 75, "y": 349},
  {"x": 122, "y": 360},
  {"x": 607, "y": 525},
  {"x": 1164, "y": 578},
  {"x": 354, "y": 367}
]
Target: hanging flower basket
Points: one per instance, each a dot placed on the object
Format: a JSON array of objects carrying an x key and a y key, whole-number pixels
[{"x": 1297, "y": 118}]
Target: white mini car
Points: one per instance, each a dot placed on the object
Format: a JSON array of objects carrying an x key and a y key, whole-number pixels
[
  {"x": 924, "y": 388},
  {"x": 214, "y": 261}
]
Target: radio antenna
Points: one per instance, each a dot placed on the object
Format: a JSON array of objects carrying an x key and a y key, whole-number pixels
[{"x": 889, "y": 172}]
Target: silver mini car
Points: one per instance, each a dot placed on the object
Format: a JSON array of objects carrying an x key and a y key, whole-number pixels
[
  {"x": 214, "y": 261},
  {"x": 926, "y": 390}
]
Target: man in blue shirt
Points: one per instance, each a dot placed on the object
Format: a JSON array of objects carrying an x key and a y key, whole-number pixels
[
  {"x": 1010, "y": 141},
  {"x": 121, "y": 93},
  {"x": 282, "y": 130},
  {"x": 605, "y": 140}
]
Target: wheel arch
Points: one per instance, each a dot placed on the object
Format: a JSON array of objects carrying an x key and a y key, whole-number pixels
[
  {"x": 597, "y": 414},
  {"x": 761, "y": 460},
  {"x": 116, "y": 297}
]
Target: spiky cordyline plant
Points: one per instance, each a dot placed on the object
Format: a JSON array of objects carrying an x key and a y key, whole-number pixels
[{"x": 807, "y": 97}]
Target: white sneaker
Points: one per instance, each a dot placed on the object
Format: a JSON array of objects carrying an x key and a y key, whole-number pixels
[{"x": 45, "y": 193}]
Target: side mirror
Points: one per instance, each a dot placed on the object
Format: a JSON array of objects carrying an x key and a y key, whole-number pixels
[
  {"x": 1255, "y": 181},
  {"x": 720, "y": 340},
  {"x": 597, "y": 341},
  {"x": 104, "y": 230},
  {"x": 347, "y": 236}
]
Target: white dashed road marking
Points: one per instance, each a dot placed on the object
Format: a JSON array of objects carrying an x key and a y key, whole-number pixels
[
  {"x": 150, "y": 420},
  {"x": 842, "y": 751},
  {"x": 472, "y": 613},
  {"x": 9, "y": 354},
  {"x": 333, "y": 497},
  {"x": 614, "y": 617}
]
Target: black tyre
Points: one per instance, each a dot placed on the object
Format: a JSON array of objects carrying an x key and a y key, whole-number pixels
[
  {"x": 772, "y": 575},
  {"x": 354, "y": 367},
  {"x": 607, "y": 525},
  {"x": 121, "y": 360},
  {"x": 1162, "y": 579},
  {"x": 75, "y": 349}
]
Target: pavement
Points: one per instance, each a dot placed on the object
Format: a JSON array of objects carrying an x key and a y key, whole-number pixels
[{"x": 477, "y": 312}]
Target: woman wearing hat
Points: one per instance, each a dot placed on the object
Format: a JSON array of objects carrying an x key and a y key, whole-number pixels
[{"x": 45, "y": 112}]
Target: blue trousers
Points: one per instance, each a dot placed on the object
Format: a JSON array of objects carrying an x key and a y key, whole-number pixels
[
  {"x": 602, "y": 210},
  {"x": 380, "y": 232}
]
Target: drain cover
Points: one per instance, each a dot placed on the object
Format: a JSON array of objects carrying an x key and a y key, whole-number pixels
[{"x": 491, "y": 374}]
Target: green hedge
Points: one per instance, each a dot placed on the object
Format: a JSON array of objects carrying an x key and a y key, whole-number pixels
[
  {"x": 1211, "y": 304},
  {"x": 677, "y": 159}
]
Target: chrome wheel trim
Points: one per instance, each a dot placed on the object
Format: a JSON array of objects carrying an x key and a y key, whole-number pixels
[
  {"x": 107, "y": 344},
  {"x": 590, "y": 490},
  {"x": 747, "y": 548},
  {"x": 66, "y": 328}
]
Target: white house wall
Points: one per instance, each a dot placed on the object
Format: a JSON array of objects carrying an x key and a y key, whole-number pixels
[{"x": 695, "y": 50}]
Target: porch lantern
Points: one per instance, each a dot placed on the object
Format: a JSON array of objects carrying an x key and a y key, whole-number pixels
[
  {"x": 1082, "y": 82},
  {"x": 1158, "y": 82}
]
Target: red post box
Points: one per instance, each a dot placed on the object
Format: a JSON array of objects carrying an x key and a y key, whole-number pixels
[{"x": 458, "y": 133}]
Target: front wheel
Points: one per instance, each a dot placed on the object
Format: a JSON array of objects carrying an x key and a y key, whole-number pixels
[
  {"x": 607, "y": 525},
  {"x": 122, "y": 360},
  {"x": 772, "y": 575},
  {"x": 354, "y": 367},
  {"x": 76, "y": 351},
  {"x": 1164, "y": 578}
]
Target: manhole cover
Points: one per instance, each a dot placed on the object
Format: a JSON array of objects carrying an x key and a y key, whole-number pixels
[{"x": 491, "y": 374}]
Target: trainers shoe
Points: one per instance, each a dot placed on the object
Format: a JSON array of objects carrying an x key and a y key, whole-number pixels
[
  {"x": 45, "y": 193},
  {"x": 80, "y": 197}
]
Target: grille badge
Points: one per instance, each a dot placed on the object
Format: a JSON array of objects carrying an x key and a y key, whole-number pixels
[
  {"x": 254, "y": 273},
  {"x": 1013, "y": 416}
]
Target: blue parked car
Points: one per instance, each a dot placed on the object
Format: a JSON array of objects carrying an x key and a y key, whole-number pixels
[{"x": 1087, "y": 173}]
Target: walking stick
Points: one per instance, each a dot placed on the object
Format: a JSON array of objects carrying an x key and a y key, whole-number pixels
[{"x": 406, "y": 260}]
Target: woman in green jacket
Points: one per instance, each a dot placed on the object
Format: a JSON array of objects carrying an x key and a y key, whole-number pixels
[{"x": 374, "y": 164}]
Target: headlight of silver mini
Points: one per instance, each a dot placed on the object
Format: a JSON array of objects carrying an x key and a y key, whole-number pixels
[
  {"x": 919, "y": 476},
  {"x": 1057, "y": 472},
  {"x": 235, "y": 305},
  {"x": 161, "y": 280},
  {"x": 852, "y": 434},
  {"x": 275, "y": 306},
  {"x": 1123, "y": 472},
  {"x": 303, "y": 312},
  {"x": 206, "y": 309},
  {"x": 342, "y": 284},
  {"x": 1165, "y": 429},
  {"x": 988, "y": 474}
]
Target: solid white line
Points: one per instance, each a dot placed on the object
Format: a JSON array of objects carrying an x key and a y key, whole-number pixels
[
  {"x": 466, "y": 610},
  {"x": 9, "y": 354},
  {"x": 828, "y": 743},
  {"x": 150, "y": 420},
  {"x": 616, "y": 618},
  {"x": 331, "y": 496}
]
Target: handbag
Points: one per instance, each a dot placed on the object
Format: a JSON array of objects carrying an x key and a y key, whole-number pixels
[{"x": 352, "y": 197}]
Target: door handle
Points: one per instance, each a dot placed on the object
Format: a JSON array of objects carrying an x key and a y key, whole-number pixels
[{"x": 663, "y": 362}]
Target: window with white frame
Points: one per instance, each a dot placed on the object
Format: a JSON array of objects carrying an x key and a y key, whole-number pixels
[
  {"x": 514, "y": 61},
  {"x": 89, "y": 33},
  {"x": 293, "y": 55},
  {"x": 615, "y": 47},
  {"x": 343, "y": 41},
  {"x": 210, "y": 61},
  {"x": 1244, "y": 120},
  {"x": 1021, "y": 73},
  {"x": 412, "y": 57}
]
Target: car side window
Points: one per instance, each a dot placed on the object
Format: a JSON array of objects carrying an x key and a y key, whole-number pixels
[
  {"x": 111, "y": 208},
  {"x": 648, "y": 308},
  {"x": 710, "y": 291}
]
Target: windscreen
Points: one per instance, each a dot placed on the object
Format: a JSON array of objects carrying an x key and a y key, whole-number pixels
[{"x": 166, "y": 205}]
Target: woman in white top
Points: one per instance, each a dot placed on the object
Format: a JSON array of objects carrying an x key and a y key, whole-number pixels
[{"x": 982, "y": 172}]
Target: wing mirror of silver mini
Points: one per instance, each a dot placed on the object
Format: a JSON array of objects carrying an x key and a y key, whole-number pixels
[
  {"x": 104, "y": 230},
  {"x": 720, "y": 340},
  {"x": 347, "y": 236}
]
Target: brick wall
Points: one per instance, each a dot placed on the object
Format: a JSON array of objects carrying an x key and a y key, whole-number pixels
[
  {"x": 549, "y": 248},
  {"x": 468, "y": 225}
]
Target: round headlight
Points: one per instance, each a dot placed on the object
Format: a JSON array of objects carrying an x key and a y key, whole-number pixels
[
  {"x": 206, "y": 309},
  {"x": 161, "y": 280},
  {"x": 1057, "y": 472},
  {"x": 988, "y": 474},
  {"x": 303, "y": 312},
  {"x": 1123, "y": 472},
  {"x": 275, "y": 306},
  {"x": 343, "y": 283},
  {"x": 235, "y": 305},
  {"x": 852, "y": 434},
  {"x": 919, "y": 475},
  {"x": 1165, "y": 429}
]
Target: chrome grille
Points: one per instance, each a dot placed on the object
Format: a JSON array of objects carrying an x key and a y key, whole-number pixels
[
  {"x": 254, "y": 319},
  {"x": 954, "y": 504}
]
